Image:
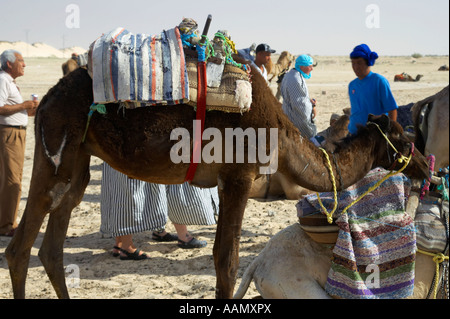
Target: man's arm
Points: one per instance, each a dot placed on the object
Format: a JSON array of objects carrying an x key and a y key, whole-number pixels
[
  {"x": 29, "y": 106},
  {"x": 393, "y": 115}
]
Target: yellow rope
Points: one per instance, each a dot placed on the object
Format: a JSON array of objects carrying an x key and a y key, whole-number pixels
[
  {"x": 329, "y": 214},
  {"x": 391, "y": 173},
  {"x": 437, "y": 258},
  {"x": 402, "y": 159}
]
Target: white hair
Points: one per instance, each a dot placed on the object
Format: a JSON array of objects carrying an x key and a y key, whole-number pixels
[{"x": 8, "y": 56}]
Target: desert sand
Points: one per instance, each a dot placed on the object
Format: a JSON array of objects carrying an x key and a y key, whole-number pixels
[{"x": 172, "y": 272}]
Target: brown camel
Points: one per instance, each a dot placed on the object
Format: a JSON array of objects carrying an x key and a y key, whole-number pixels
[
  {"x": 278, "y": 185},
  {"x": 138, "y": 143},
  {"x": 70, "y": 65},
  {"x": 283, "y": 64},
  {"x": 278, "y": 70},
  {"x": 404, "y": 77}
]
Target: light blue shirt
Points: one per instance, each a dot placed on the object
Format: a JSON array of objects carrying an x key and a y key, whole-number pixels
[{"x": 371, "y": 95}]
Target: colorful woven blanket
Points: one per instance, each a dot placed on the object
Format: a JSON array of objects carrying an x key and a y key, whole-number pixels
[
  {"x": 146, "y": 70},
  {"x": 374, "y": 256},
  {"x": 431, "y": 218}
]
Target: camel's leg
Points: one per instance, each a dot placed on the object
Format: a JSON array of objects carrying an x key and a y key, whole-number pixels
[
  {"x": 51, "y": 252},
  {"x": 233, "y": 193},
  {"x": 47, "y": 194},
  {"x": 18, "y": 250}
]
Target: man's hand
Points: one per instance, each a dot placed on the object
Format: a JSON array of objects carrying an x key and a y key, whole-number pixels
[
  {"x": 314, "y": 111},
  {"x": 31, "y": 107}
]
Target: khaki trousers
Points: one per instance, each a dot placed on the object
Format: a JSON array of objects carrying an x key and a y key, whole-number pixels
[{"x": 12, "y": 153}]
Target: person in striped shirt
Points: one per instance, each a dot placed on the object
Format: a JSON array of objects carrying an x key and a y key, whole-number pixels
[{"x": 297, "y": 104}]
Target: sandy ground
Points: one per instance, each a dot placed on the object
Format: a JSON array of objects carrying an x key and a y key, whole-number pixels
[{"x": 172, "y": 272}]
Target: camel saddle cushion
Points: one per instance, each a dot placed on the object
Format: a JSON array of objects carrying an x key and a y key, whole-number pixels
[
  {"x": 374, "y": 254},
  {"x": 431, "y": 220},
  {"x": 140, "y": 70},
  {"x": 234, "y": 94}
]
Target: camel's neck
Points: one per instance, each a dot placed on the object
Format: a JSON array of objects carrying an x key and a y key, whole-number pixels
[{"x": 307, "y": 165}]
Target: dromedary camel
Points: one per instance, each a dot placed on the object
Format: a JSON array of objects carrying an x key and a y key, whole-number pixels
[
  {"x": 284, "y": 64},
  {"x": 304, "y": 270},
  {"x": 276, "y": 185},
  {"x": 430, "y": 118},
  {"x": 70, "y": 65},
  {"x": 138, "y": 143},
  {"x": 404, "y": 77}
]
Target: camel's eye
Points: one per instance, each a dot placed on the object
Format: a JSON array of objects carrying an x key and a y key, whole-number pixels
[{"x": 395, "y": 136}]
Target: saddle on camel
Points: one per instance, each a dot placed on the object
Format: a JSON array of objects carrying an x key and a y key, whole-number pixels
[{"x": 170, "y": 68}]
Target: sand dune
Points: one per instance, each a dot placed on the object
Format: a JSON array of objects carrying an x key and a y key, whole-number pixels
[{"x": 39, "y": 50}]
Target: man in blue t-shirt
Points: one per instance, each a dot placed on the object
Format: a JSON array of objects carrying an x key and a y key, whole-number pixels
[{"x": 369, "y": 93}]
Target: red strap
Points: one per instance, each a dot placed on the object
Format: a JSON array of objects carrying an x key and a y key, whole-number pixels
[{"x": 201, "y": 110}]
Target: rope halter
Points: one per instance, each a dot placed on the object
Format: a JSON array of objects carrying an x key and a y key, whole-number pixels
[{"x": 401, "y": 159}]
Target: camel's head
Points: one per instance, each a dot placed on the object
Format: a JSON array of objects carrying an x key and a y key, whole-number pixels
[
  {"x": 286, "y": 59},
  {"x": 395, "y": 148}
]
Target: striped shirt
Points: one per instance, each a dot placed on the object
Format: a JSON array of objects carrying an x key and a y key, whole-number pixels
[
  {"x": 131, "y": 206},
  {"x": 297, "y": 104}
]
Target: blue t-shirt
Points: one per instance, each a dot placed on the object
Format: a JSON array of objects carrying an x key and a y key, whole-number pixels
[{"x": 371, "y": 95}]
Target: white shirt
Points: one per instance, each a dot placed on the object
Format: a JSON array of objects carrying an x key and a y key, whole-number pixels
[{"x": 10, "y": 95}]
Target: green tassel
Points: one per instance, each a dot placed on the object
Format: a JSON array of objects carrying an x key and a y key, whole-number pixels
[{"x": 100, "y": 108}]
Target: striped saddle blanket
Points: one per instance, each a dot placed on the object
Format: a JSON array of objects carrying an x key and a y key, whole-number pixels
[
  {"x": 140, "y": 70},
  {"x": 137, "y": 68},
  {"x": 374, "y": 255}
]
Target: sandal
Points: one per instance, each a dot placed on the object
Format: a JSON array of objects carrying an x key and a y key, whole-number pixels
[
  {"x": 133, "y": 256},
  {"x": 193, "y": 243},
  {"x": 166, "y": 237},
  {"x": 116, "y": 254}
]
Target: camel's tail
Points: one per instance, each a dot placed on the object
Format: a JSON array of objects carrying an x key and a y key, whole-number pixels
[{"x": 246, "y": 279}]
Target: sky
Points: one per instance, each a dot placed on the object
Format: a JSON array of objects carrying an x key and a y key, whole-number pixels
[{"x": 319, "y": 27}]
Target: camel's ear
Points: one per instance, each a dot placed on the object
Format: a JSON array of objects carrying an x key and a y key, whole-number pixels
[{"x": 383, "y": 121}]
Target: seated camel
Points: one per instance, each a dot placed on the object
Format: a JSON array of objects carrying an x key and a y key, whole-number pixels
[
  {"x": 303, "y": 272},
  {"x": 405, "y": 77},
  {"x": 296, "y": 265},
  {"x": 278, "y": 185}
]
